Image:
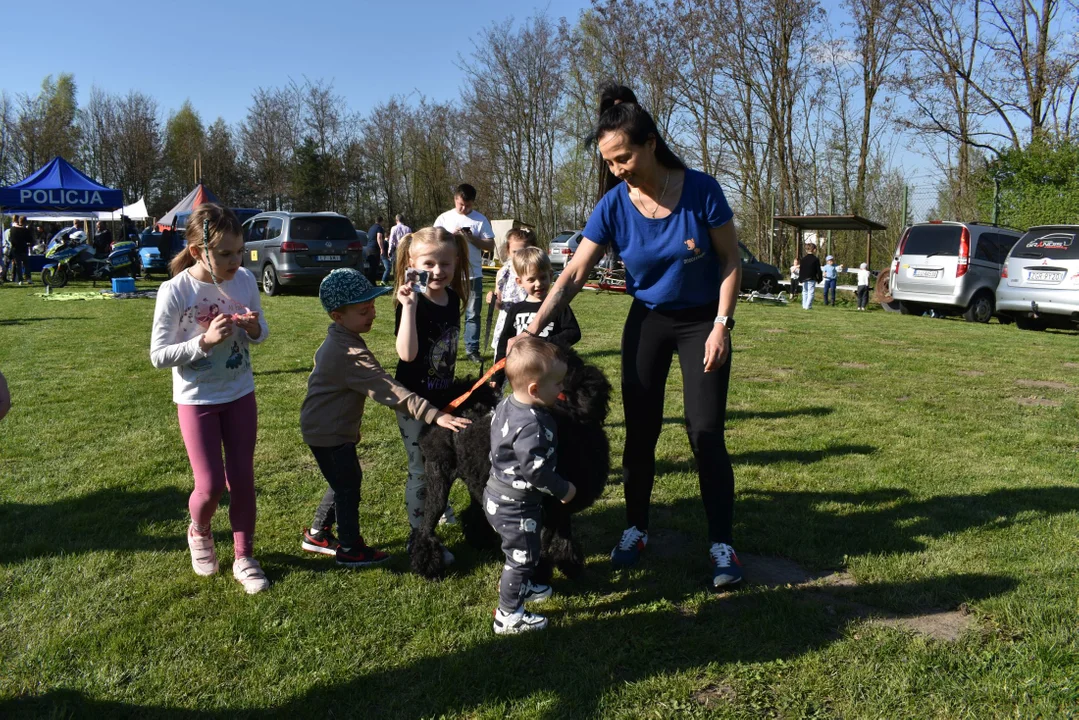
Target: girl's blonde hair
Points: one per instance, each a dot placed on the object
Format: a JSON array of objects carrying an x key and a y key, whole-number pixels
[
  {"x": 529, "y": 259},
  {"x": 428, "y": 236},
  {"x": 223, "y": 223}
]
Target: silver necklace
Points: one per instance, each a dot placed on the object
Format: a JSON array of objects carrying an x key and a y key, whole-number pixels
[{"x": 661, "y": 196}]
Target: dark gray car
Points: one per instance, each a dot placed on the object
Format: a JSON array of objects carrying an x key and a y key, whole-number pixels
[
  {"x": 758, "y": 275},
  {"x": 299, "y": 249}
]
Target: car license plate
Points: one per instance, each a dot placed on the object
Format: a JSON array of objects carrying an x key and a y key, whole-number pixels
[
  {"x": 328, "y": 258},
  {"x": 1045, "y": 276},
  {"x": 925, "y": 273}
]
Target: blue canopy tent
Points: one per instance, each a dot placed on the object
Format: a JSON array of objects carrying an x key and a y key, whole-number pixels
[{"x": 58, "y": 187}]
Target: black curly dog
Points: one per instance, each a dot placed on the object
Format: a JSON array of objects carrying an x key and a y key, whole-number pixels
[{"x": 583, "y": 459}]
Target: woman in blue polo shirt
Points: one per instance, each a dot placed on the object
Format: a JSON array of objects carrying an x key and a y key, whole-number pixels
[{"x": 672, "y": 227}]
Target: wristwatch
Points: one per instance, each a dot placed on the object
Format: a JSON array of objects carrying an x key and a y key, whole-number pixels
[{"x": 724, "y": 320}]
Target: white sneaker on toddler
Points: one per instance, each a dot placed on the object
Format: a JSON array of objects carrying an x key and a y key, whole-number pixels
[
  {"x": 248, "y": 573},
  {"x": 518, "y": 621}
]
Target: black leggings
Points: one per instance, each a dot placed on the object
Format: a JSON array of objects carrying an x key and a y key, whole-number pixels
[{"x": 649, "y": 341}]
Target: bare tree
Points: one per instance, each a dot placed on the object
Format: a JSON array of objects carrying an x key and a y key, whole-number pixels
[
  {"x": 269, "y": 134},
  {"x": 513, "y": 90},
  {"x": 875, "y": 48}
]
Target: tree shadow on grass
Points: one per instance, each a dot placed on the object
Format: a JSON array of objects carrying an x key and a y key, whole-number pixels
[
  {"x": 768, "y": 457},
  {"x": 738, "y": 415},
  {"x": 110, "y": 519},
  {"x": 825, "y": 527},
  {"x": 584, "y": 657}
]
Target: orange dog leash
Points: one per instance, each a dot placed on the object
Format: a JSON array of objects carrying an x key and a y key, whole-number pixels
[{"x": 458, "y": 402}]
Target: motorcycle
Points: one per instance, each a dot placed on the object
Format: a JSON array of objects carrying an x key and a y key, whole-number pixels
[{"x": 73, "y": 258}]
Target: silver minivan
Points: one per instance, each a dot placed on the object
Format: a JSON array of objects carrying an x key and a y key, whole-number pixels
[
  {"x": 950, "y": 268},
  {"x": 287, "y": 248},
  {"x": 1039, "y": 285}
]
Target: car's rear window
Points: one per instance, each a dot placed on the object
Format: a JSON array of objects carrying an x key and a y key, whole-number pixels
[
  {"x": 933, "y": 240},
  {"x": 321, "y": 228},
  {"x": 1048, "y": 243},
  {"x": 562, "y": 237}
]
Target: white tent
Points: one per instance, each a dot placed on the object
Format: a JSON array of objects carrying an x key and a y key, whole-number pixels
[{"x": 135, "y": 211}]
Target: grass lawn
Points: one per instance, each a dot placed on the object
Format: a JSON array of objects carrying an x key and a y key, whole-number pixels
[{"x": 929, "y": 464}]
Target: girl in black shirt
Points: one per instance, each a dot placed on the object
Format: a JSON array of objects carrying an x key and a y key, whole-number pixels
[{"x": 427, "y": 326}]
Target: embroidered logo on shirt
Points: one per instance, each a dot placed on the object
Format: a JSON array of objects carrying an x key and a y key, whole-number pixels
[{"x": 691, "y": 244}]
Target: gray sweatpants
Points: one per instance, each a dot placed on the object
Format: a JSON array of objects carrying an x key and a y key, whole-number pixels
[{"x": 518, "y": 523}]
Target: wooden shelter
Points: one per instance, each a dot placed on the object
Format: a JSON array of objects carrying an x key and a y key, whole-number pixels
[{"x": 820, "y": 223}]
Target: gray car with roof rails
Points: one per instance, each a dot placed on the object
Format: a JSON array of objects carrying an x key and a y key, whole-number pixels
[
  {"x": 950, "y": 268},
  {"x": 290, "y": 249}
]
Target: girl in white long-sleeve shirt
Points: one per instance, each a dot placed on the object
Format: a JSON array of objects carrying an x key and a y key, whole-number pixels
[{"x": 205, "y": 318}]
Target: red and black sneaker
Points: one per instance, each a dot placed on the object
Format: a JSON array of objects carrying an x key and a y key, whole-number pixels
[
  {"x": 322, "y": 541},
  {"x": 361, "y": 555}
]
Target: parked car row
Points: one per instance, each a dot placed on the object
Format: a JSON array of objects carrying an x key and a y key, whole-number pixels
[{"x": 980, "y": 271}]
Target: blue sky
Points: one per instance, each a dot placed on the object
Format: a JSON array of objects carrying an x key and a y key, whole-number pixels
[{"x": 217, "y": 53}]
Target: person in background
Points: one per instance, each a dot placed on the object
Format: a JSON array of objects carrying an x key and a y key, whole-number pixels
[
  {"x": 102, "y": 239},
  {"x": 21, "y": 239},
  {"x": 376, "y": 248},
  {"x": 830, "y": 276},
  {"x": 5, "y": 253},
  {"x": 481, "y": 238},
  {"x": 795, "y": 285},
  {"x": 809, "y": 273},
  {"x": 397, "y": 232},
  {"x": 863, "y": 286}
]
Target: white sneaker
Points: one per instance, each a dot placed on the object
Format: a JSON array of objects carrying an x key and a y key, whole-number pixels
[
  {"x": 203, "y": 555},
  {"x": 517, "y": 622},
  {"x": 248, "y": 573},
  {"x": 535, "y": 592}
]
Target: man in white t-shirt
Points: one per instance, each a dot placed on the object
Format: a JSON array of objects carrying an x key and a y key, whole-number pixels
[{"x": 481, "y": 238}]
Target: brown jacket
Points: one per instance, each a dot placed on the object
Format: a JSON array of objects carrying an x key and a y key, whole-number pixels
[{"x": 345, "y": 375}]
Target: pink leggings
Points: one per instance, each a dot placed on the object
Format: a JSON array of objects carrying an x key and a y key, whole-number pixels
[{"x": 205, "y": 429}]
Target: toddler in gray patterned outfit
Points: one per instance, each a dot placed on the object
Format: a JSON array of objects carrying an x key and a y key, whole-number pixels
[{"x": 524, "y": 460}]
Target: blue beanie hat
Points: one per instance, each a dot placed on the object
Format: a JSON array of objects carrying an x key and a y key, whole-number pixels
[{"x": 347, "y": 286}]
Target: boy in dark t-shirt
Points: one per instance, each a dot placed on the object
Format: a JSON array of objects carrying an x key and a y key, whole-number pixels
[{"x": 533, "y": 270}]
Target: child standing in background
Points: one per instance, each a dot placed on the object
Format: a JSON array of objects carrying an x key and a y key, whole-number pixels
[
  {"x": 204, "y": 319},
  {"x": 507, "y": 291},
  {"x": 863, "y": 286},
  {"x": 533, "y": 270},
  {"x": 830, "y": 272},
  {"x": 428, "y": 326}
]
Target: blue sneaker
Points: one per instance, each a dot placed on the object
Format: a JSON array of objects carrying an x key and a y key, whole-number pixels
[
  {"x": 726, "y": 567},
  {"x": 629, "y": 548}
]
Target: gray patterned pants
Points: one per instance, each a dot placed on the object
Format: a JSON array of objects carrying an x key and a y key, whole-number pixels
[{"x": 518, "y": 524}]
